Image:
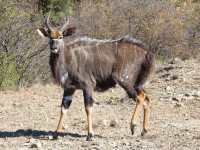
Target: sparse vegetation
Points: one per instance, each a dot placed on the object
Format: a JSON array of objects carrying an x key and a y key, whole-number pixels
[
  {"x": 169, "y": 27},
  {"x": 29, "y": 115}
]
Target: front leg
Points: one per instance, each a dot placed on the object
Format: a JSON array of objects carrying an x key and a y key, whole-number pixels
[
  {"x": 88, "y": 101},
  {"x": 66, "y": 102}
]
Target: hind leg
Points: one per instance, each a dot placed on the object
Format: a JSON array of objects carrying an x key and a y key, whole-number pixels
[
  {"x": 135, "y": 117},
  {"x": 146, "y": 107},
  {"x": 142, "y": 101},
  {"x": 140, "y": 98},
  {"x": 132, "y": 93},
  {"x": 136, "y": 112}
]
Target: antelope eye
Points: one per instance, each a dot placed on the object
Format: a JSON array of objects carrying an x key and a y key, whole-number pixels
[{"x": 60, "y": 37}]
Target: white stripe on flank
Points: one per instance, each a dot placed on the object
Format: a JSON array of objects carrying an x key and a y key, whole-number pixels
[{"x": 87, "y": 39}]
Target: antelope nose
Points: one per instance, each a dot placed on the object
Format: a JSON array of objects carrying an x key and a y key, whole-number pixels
[{"x": 53, "y": 47}]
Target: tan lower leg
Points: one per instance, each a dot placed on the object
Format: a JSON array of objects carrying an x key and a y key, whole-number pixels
[
  {"x": 135, "y": 116},
  {"x": 146, "y": 115},
  {"x": 140, "y": 101},
  {"x": 135, "y": 113},
  {"x": 88, "y": 110},
  {"x": 60, "y": 127}
]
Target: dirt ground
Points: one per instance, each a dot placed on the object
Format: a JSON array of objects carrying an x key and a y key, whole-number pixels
[{"x": 29, "y": 116}]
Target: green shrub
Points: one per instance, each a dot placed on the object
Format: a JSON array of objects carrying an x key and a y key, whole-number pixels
[{"x": 9, "y": 76}]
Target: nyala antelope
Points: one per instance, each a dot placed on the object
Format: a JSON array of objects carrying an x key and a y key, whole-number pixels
[{"x": 79, "y": 62}]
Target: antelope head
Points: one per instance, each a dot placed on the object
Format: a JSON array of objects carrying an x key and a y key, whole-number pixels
[{"x": 56, "y": 36}]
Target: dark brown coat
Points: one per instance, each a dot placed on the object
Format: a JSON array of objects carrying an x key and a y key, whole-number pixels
[
  {"x": 102, "y": 63},
  {"x": 91, "y": 64}
]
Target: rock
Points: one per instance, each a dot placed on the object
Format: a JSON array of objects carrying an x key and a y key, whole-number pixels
[
  {"x": 196, "y": 93},
  {"x": 36, "y": 145},
  {"x": 174, "y": 77},
  {"x": 122, "y": 100},
  {"x": 171, "y": 61},
  {"x": 124, "y": 143},
  {"x": 104, "y": 122},
  {"x": 186, "y": 95},
  {"x": 113, "y": 123},
  {"x": 179, "y": 105},
  {"x": 97, "y": 103},
  {"x": 180, "y": 97},
  {"x": 95, "y": 148},
  {"x": 184, "y": 79},
  {"x": 32, "y": 140},
  {"x": 84, "y": 145},
  {"x": 177, "y": 60},
  {"x": 21, "y": 124},
  {"x": 16, "y": 104},
  {"x": 114, "y": 144},
  {"x": 50, "y": 137},
  {"x": 26, "y": 144},
  {"x": 168, "y": 68},
  {"x": 113, "y": 100},
  {"x": 196, "y": 137},
  {"x": 65, "y": 127},
  {"x": 137, "y": 140},
  {"x": 168, "y": 88},
  {"x": 175, "y": 99},
  {"x": 166, "y": 75}
]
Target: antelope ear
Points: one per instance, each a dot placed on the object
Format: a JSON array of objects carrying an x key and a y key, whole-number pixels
[
  {"x": 42, "y": 32},
  {"x": 69, "y": 31}
]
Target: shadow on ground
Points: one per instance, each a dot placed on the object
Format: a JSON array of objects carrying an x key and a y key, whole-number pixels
[{"x": 36, "y": 134}]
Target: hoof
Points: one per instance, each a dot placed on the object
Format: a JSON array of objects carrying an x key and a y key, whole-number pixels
[
  {"x": 133, "y": 128},
  {"x": 144, "y": 131},
  {"x": 58, "y": 133},
  {"x": 89, "y": 137},
  {"x": 55, "y": 135}
]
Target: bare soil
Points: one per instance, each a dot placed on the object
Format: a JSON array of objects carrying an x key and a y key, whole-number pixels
[{"x": 29, "y": 116}]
